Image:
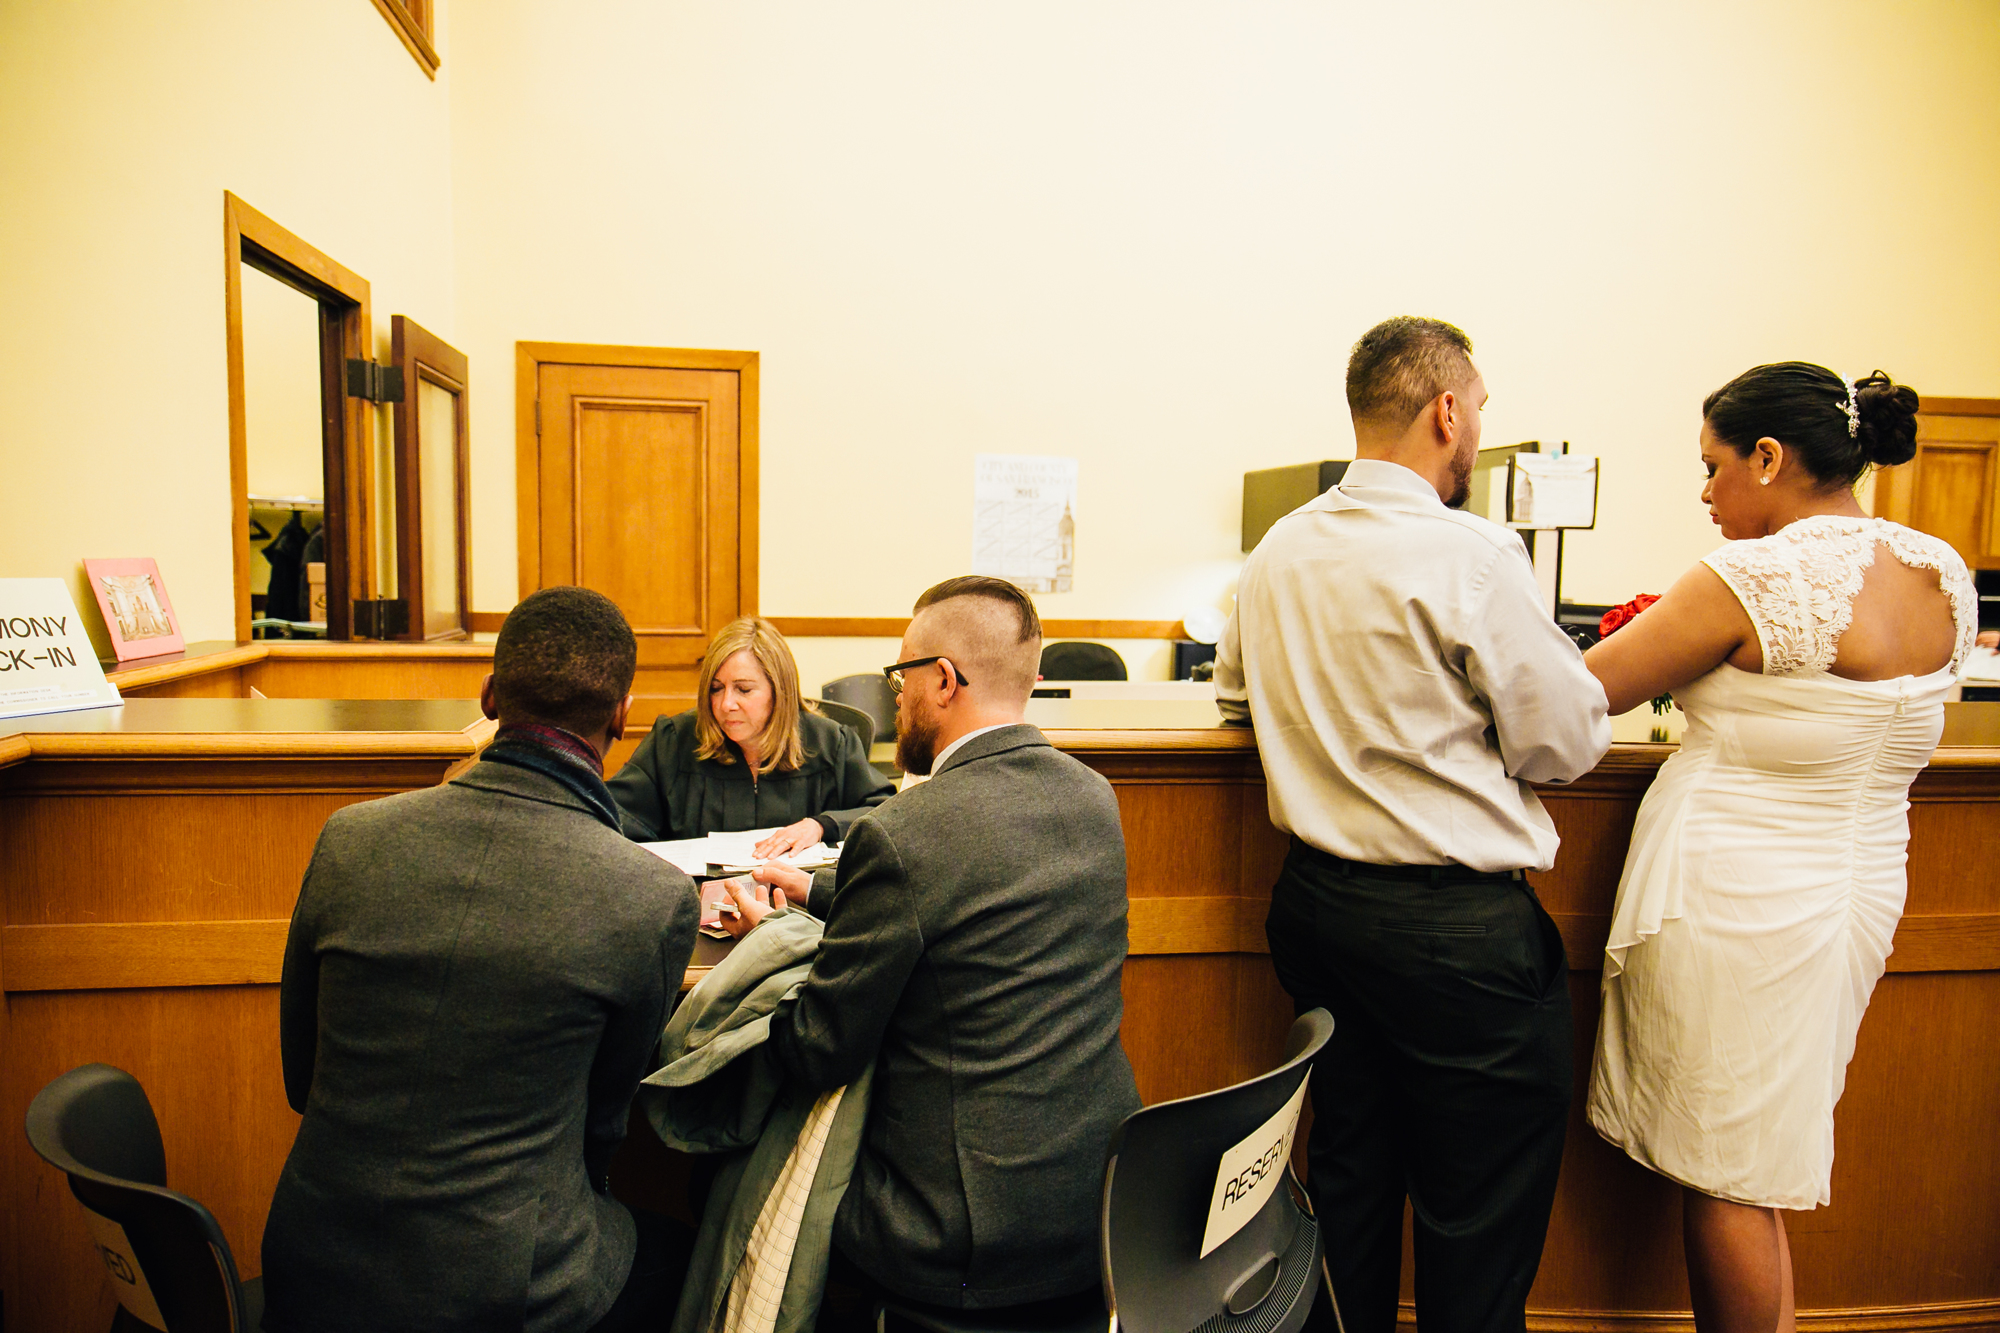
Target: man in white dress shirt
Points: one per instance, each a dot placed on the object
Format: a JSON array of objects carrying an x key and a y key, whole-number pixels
[{"x": 1407, "y": 684}]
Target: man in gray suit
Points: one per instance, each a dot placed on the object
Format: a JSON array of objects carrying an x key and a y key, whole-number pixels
[
  {"x": 474, "y": 982},
  {"x": 972, "y": 951}
]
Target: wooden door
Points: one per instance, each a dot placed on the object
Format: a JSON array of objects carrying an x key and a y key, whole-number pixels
[
  {"x": 1951, "y": 489},
  {"x": 433, "y": 481},
  {"x": 643, "y": 486}
]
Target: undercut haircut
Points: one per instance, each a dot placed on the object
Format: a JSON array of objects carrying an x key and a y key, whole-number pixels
[
  {"x": 992, "y": 589},
  {"x": 1401, "y": 364},
  {"x": 565, "y": 658}
]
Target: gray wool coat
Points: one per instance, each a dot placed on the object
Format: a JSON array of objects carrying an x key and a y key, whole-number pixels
[
  {"x": 973, "y": 950},
  {"x": 474, "y": 981}
]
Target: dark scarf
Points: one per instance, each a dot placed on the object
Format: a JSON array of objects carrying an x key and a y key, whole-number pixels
[{"x": 562, "y": 755}]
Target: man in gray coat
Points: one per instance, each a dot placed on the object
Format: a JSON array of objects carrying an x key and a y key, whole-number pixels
[
  {"x": 474, "y": 981},
  {"x": 972, "y": 950}
]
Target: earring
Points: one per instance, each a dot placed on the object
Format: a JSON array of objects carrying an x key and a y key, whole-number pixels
[{"x": 1763, "y": 481}]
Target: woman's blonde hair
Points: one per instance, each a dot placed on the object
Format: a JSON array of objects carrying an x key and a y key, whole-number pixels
[{"x": 779, "y": 748}]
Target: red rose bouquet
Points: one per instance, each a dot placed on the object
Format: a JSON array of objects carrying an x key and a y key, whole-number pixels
[{"x": 1620, "y": 616}]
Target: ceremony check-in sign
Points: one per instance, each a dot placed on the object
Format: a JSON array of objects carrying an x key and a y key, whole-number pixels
[
  {"x": 1250, "y": 1172},
  {"x": 46, "y": 662}
]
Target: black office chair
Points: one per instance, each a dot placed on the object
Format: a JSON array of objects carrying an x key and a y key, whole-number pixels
[
  {"x": 171, "y": 1264},
  {"x": 1159, "y": 1182},
  {"x": 870, "y": 693},
  {"x": 1082, "y": 661},
  {"x": 854, "y": 719}
]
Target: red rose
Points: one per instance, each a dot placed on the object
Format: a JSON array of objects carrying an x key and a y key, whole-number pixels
[{"x": 1619, "y": 616}]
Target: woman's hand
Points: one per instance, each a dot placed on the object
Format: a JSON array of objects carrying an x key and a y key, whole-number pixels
[
  {"x": 790, "y": 838},
  {"x": 1988, "y": 638}
]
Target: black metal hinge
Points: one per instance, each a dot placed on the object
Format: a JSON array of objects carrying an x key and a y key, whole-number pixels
[{"x": 376, "y": 383}]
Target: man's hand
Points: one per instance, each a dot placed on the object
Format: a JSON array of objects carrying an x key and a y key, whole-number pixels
[
  {"x": 790, "y": 838},
  {"x": 787, "y": 883},
  {"x": 752, "y": 906},
  {"x": 1989, "y": 638}
]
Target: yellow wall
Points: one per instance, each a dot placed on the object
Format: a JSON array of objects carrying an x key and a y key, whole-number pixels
[
  {"x": 1145, "y": 235},
  {"x": 1141, "y": 234},
  {"x": 121, "y": 124}
]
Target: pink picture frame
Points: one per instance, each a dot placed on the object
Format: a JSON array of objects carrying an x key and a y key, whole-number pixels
[{"x": 138, "y": 614}]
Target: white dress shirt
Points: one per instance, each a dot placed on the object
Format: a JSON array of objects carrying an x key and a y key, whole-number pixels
[{"x": 1405, "y": 681}]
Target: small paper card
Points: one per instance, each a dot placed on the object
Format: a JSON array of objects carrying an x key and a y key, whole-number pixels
[
  {"x": 1250, "y": 1172},
  {"x": 128, "y": 1280},
  {"x": 138, "y": 614},
  {"x": 46, "y": 662},
  {"x": 1551, "y": 491}
]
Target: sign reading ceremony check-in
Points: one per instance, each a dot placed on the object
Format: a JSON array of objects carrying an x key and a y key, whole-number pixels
[
  {"x": 46, "y": 662},
  {"x": 1249, "y": 1172}
]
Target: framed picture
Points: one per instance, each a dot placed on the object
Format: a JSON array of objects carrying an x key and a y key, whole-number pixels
[{"x": 138, "y": 614}]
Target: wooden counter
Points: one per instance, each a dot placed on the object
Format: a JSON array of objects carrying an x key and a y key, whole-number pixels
[
  {"x": 148, "y": 863},
  {"x": 149, "y": 859}
]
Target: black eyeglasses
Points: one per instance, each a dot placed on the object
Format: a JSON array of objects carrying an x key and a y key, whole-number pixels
[{"x": 895, "y": 673}]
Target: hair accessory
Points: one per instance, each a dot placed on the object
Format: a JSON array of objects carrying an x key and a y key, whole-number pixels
[{"x": 1853, "y": 409}]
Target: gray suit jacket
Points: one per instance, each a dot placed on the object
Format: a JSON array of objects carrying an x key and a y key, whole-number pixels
[
  {"x": 973, "y": 949},
  {"x": 474, "y": 981}
]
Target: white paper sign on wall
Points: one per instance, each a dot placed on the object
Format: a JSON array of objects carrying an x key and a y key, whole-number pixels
[
  {"x": 1250, "y": 1172},
  {"x": 46, "y": 662},
  {"x": 127, "y": 1278},
  {"x": 1024, "y": 520}
]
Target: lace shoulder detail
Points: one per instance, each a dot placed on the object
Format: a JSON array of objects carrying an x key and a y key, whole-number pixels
[
  {"x": 1920, "y": 550},
  {"x": 1798, "y": 585}
]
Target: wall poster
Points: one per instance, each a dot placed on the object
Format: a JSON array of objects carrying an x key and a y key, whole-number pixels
[{"x": 1024, "y": 519}]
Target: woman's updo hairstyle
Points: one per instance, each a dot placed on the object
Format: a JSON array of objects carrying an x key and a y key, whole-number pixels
[{"x": 1806, "y": 408}]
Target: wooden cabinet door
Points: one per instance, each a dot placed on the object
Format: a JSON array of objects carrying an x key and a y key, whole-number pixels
[
  {"x": 1951, "y": 489},
  {"x": 639, "y": 492}
]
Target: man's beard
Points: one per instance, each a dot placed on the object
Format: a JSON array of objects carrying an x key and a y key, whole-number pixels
[
  {"x": 1461, "y": 481},
  {"x": 916, "y": 747}
]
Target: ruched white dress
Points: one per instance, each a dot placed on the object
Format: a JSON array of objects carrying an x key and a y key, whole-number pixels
[{"x": 1765, "y": 878}]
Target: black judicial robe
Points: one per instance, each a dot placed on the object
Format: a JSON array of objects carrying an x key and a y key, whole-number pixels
[{"x": 665, "y": 793}]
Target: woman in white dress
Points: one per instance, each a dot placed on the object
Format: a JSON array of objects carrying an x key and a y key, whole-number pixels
[{"x": 1812, "y": 655}]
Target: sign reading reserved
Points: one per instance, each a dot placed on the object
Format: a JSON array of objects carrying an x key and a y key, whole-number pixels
[{"x": 1250, "y": 1172}]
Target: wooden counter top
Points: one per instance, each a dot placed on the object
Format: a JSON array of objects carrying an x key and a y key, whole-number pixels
[{"x": 250, "y": 728}]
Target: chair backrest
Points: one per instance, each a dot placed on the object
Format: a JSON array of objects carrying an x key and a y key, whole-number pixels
[
  {"x": 169, "y": 1261},
  {"x": 1082, "y": 661},
  {"x": 1181, "y": 1173},
  {"x": 870, "y": 693},
  {"x": 854, "y": 719}
]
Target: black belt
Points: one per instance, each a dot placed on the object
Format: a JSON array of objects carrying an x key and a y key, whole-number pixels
[{"x": 1451, "y": 873}]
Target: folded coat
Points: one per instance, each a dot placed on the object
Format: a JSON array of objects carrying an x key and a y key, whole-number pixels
[{"x": 760, "y": 1260}]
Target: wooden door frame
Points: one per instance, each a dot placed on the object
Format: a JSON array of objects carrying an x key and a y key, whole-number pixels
[
  {"x": 426, "y": 358},
  {"x": 530, "y": 357},
  {"x": 348, "y": 434}
]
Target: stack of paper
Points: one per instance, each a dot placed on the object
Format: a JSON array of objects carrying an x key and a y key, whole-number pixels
[{"x": 730, "y": 852}]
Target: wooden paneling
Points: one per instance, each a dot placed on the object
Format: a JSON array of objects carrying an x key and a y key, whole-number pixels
[
  {"x": 116, "y": 955},
  {"x": 131, "y": 905},
  {"x": 433, "y": 550},
  {"x": 1951, "y": 489},
  {"x": 207, "y": 1057},
  {"x": 638, "y": 477},
  {"x": 146, "y": 873},
  {"x": 892, "y": 627}
]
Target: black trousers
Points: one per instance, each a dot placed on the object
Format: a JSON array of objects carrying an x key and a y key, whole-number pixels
[{"x": 1447, "y": 1081}]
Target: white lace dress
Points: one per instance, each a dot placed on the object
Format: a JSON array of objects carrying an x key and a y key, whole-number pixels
[{"x": 1765, "y": 878}]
